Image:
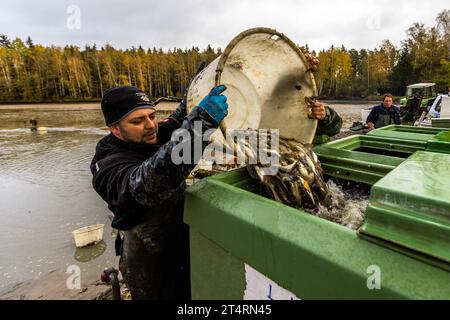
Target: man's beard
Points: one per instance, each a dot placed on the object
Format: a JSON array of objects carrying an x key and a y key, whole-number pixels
[{"x": 127, "y": 138}]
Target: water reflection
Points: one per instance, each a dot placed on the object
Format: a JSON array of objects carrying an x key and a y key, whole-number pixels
[
  {"x": 46, "y": 193},
  {"x": 57, "y": 157},
  {"x": 53, "y": 116},
  {"x": 90, "y": 252}
]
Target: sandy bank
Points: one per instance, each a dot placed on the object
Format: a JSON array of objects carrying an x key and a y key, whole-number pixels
[{"x": 52, "y": 286}]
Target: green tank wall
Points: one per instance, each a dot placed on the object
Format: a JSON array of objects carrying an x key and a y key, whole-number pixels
[
  {"x": 406, "y": 234},
  {"x": 312, "y": 258}
]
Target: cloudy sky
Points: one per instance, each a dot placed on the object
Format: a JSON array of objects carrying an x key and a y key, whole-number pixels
[{"x": 168, "y": 23}]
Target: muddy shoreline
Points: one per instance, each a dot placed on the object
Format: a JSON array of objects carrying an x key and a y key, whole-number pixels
[
  {"x": 52, "y": 286},
  {"x": 45, "y": 107},
  {"x": 71, "y": 106}
]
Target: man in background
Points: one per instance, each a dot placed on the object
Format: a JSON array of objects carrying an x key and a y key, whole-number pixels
[{"x": 384, "y": 114}]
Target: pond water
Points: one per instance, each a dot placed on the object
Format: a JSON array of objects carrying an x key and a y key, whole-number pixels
[{"x": 46, "y": 193}]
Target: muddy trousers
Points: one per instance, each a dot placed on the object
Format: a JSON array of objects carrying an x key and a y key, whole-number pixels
[{"x": 155, "y": 262}]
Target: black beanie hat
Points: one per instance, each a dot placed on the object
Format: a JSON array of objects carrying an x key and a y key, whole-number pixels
[{"x": 118, "y": 102}]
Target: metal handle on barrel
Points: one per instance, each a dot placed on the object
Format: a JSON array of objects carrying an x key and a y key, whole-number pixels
[{"x": 227, "y": 52}]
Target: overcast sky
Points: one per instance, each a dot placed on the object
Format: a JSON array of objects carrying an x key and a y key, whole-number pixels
[{"x": 169, "y": 23}]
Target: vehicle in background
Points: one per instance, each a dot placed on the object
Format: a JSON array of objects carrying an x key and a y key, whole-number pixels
[
  {"x": 419, "y": 98},
  {"x": 438, "y": 113}
]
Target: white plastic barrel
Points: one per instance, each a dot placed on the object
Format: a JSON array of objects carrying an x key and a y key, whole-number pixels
[{"x": 267, "y": 81}]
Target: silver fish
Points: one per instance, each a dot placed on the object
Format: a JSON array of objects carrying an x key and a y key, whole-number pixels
[{"x": 298, "y": 182}]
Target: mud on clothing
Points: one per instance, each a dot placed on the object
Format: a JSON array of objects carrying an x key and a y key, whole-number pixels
[{"x": 144, "y": 189}]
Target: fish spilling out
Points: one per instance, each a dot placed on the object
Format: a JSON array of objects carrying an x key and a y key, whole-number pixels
[
  {"x": 290, "y": 172},
  {"x": 293, "y": 176}
]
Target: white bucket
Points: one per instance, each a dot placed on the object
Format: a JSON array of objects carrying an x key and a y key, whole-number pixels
[
  {"x": 267, "y": 81},
  {"x": 88, "y": 235},
  {"x": 364, "y": 114}
]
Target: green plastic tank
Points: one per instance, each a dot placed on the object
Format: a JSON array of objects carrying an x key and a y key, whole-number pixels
[
  {"x": 363, "y": 158},
  {"x": 440, "y": 142},
  {"x": 406, "y": 132},
  {"x": 409, "y": 209},
  {"x": 246, "y": 246},
  {"x": 436, "y": 139}
]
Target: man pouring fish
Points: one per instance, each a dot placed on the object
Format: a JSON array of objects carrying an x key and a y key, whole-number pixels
[{"x": 135, "y": 175}]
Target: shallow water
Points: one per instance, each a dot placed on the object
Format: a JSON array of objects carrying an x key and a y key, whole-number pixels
[{"x": 46, "y": 193}]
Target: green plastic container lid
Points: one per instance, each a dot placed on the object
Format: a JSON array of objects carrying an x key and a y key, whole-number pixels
[
  {"x": 405, "y": 132},
  {"x": 440, "y": 143},
  {"x": 409, "y": 209}
]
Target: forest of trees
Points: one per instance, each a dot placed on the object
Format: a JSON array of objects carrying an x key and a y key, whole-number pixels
[
  {"x": 424, "y": 56},
  {"x": 31, "y": 72}
]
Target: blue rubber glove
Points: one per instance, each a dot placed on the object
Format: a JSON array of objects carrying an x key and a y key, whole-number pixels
[{"x": 215, "y": 103}]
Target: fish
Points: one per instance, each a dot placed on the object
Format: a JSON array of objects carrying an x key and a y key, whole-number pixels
[{"x": 298, "y": 179}]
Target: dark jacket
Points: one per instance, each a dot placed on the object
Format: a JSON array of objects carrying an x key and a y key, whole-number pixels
[
  {"x": 381, "y": 116},
  {"x": 141, "y": 183},
  {"x": 144, "y": 189}
]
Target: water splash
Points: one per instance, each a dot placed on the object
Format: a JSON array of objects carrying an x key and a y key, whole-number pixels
[{"x": 348, "y": 205}]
